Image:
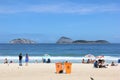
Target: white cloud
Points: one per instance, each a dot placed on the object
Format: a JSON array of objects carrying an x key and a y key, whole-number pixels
[{"x": 61, "y": 8}]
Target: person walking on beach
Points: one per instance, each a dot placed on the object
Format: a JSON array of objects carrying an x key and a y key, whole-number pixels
[
  {"x": 20, "y": 59},
  {"x": 26, "y": 59}
]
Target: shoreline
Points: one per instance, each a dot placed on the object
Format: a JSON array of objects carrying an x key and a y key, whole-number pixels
[{"x": 32, "y": 59}]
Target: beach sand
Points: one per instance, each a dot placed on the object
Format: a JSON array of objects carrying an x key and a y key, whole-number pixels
[{"x": 43, "y": 71}]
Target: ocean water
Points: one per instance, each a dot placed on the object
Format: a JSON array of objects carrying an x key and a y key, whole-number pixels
[{"x": 59, "y": 52}]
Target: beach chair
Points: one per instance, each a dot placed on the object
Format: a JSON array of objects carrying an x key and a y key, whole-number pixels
[
  {"x": 67, "y": 66},
  {"x": 59, "y": 67}
]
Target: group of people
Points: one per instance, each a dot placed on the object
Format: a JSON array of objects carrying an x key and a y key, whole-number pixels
[
  {"x": 98, "y": 63},
  {"x": 26, "y": 59},
  {"x": 20, "y": 60},
  {"x": 44, "y": 60},
  {"x": 101, "y": 64},
  {"x": 88, "y": 61},
  {"x": 6, "y": 61}
]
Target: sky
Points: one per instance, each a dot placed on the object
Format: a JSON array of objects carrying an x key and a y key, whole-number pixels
[{"x": 45, "y": 21}]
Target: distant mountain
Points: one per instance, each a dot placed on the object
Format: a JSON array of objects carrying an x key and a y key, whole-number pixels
[
  {"x": 65, "y": 40},
  {"x": 22, "y": 41}
]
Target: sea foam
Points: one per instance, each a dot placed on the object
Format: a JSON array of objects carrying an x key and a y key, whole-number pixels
[{"x": 57, "y": 58}]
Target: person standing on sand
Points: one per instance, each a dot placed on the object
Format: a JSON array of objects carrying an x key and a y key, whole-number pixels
[
  {"x": 26, "y": 59},
  {"x": 20, "y": 59}
]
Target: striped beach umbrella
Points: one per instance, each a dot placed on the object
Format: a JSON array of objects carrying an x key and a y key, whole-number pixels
[{"x": 100, "y": 57}]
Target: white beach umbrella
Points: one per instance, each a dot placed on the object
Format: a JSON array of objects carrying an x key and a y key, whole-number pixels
[
  {"x": 46, "y": 56},
  {"x": 89, "y": 56}
]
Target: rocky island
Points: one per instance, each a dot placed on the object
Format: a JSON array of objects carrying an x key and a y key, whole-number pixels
[
  {"x": 66, "y": 40},
  {"x": 22, "y": 41},
  {"x": 91, "y": 42}
]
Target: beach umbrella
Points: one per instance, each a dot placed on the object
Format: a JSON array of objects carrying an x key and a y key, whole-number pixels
[
  {"x": 89, "y": 56},
  {"x": 46, "y": 56},
  {"x": 100, "y": 57}
]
